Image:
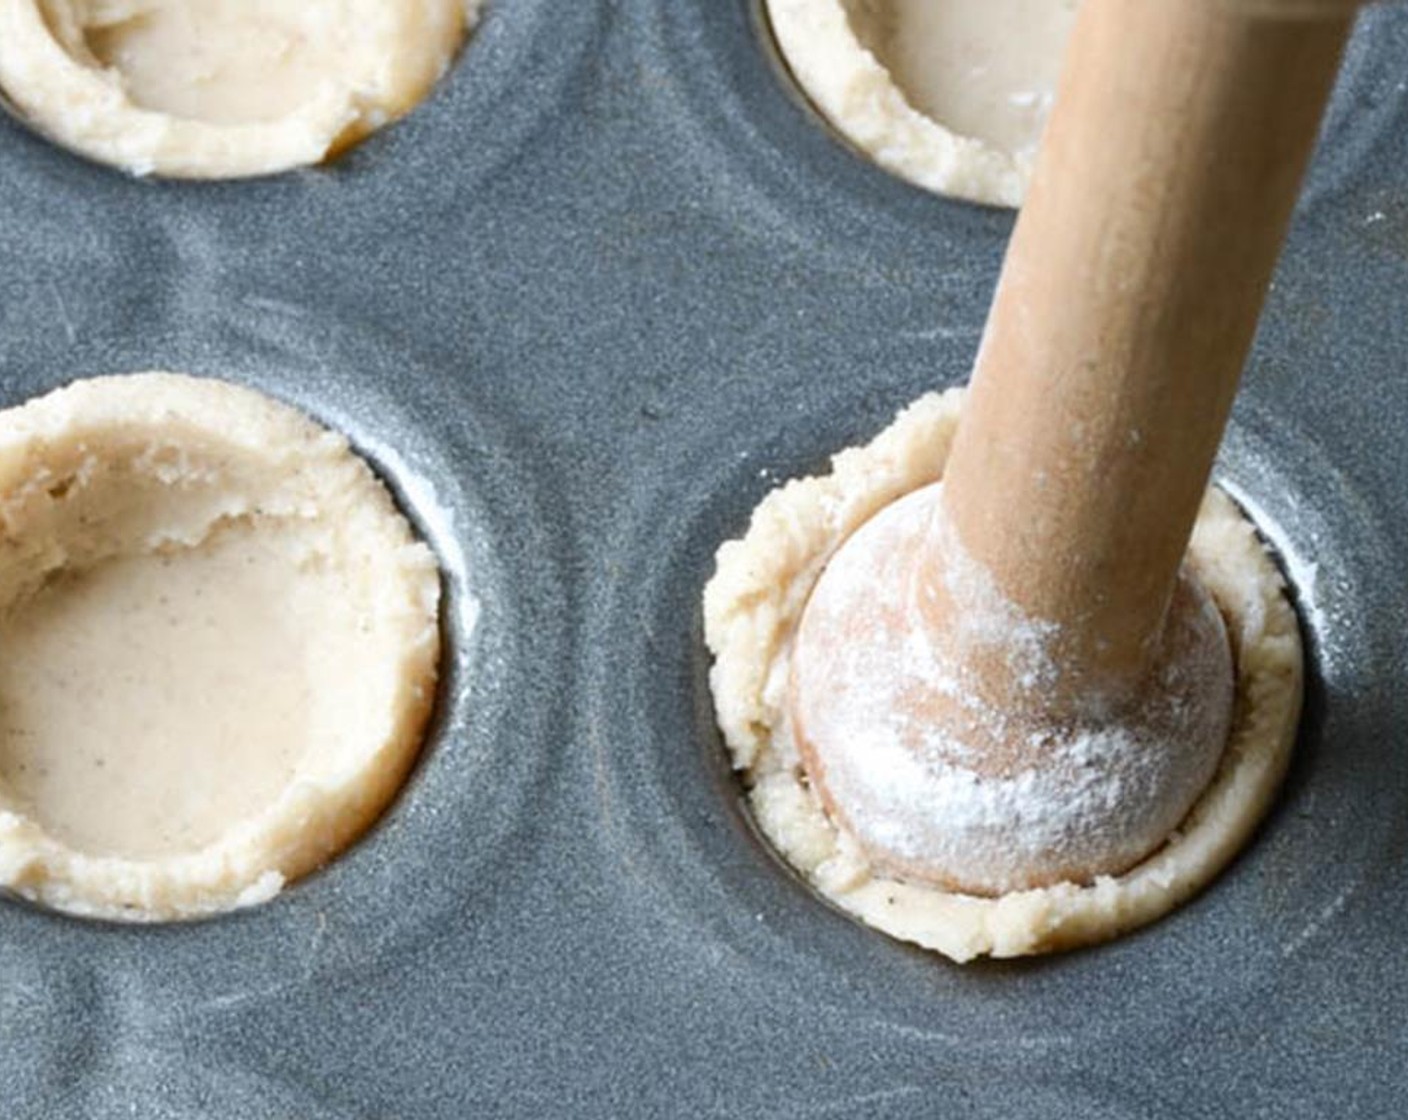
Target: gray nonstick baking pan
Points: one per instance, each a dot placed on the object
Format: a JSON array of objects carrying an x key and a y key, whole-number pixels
[{"x": 583, "y": 309}]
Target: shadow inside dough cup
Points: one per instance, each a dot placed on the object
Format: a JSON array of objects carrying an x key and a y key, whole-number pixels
[
  {"x": 216, "y": 89},
  {"x": 951, "y": 95},
  {"x": 220, "y": 645}
]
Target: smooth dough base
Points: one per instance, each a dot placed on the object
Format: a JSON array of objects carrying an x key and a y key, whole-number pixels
[
  {"x": 864, "y": 101},
  {"x": 224, "y": 641},
  {"x": 752, "y": 607}
]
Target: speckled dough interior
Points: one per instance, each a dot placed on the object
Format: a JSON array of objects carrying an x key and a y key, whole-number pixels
[{"x": 607, "y": 286}]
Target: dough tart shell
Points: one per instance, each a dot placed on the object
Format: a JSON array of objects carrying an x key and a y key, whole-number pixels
[
  {"x": 860, "y": 98},
  {"x": 753, "y": 604},
  {"x": 212, "y": 91},
  {"x": 221, "y": 638}
]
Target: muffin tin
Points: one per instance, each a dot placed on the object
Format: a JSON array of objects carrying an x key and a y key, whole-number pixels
[{"x": 582, "y": 309}]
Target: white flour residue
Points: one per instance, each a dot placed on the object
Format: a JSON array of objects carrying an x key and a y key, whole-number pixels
[
  {"x": 939, "y": 784},
  {"x": 988, "y": 620}
]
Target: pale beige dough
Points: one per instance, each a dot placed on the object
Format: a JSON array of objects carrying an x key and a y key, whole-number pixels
[
  {"x": 221, "y": 641},
  {"x": 951, "y": 95},
  {"x": 222, "y": 88},
  {"x": 752, "y": 607}
]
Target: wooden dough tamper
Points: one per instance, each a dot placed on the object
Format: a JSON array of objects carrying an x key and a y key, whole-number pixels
[{"x": 1049, "y": 575}]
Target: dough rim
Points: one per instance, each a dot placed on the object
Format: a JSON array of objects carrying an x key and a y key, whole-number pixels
[
  {"x": 857, "y": 95},
  {"x": 87, "y": 110},
  {"x": 314, "y": 818},
  {"x": 752, "y": 605}
]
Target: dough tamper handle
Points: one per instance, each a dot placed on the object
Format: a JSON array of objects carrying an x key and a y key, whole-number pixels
[{"x": 1127, "y": 305}]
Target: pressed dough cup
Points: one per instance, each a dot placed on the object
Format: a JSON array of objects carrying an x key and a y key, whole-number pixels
[
  {"x": 950, "y": 96},
  {"x": 220, "y": 647},
  {"x": 753, "y": 606},
  {"x": 1023, "y": 684},
  {"x": 227, "y": 88}
]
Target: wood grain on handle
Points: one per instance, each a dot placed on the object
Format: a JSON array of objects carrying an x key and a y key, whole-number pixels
[{"x": 1126, "y": 308}]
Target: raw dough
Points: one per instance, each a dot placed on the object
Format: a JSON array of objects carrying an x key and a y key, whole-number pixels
[
  {"x": 752, "y": 607},
  {"x": 949, "y": 94},
  {"x": 222, "y": 88},
  {"x": 220, "y": 645}
]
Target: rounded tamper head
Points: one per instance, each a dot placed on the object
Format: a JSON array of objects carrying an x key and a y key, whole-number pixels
[{"x": 988, "y": 786}]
